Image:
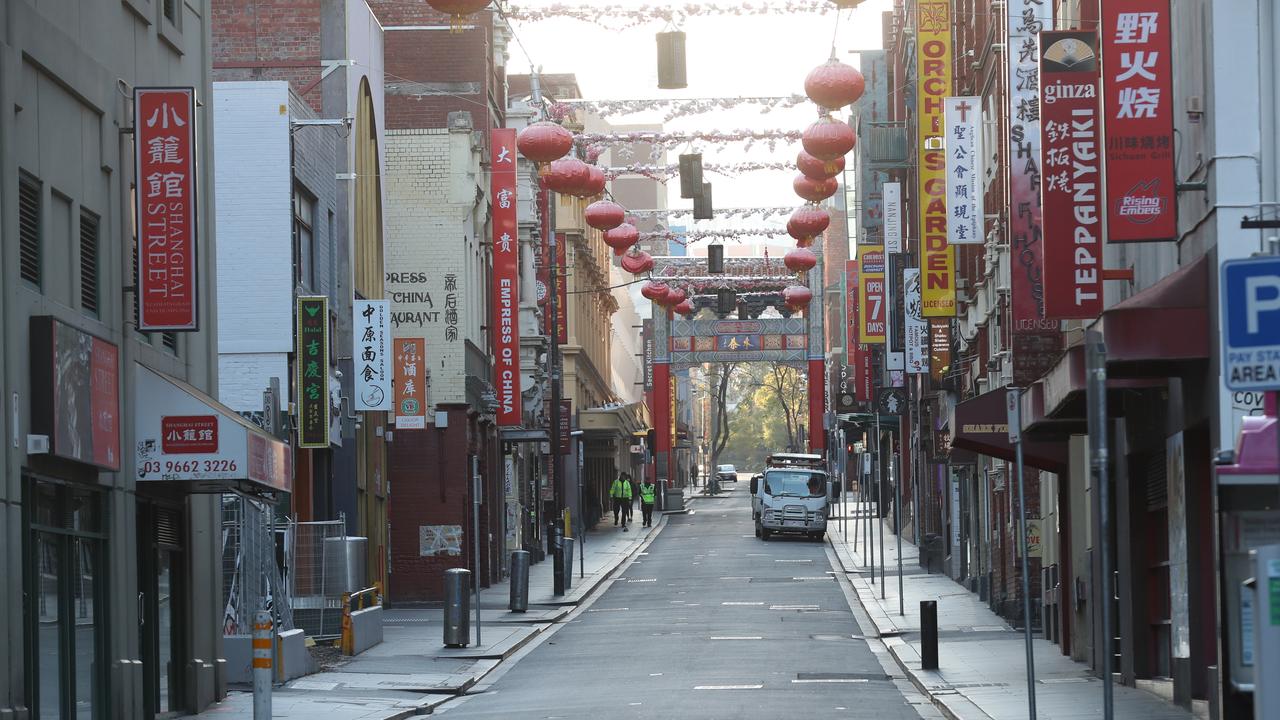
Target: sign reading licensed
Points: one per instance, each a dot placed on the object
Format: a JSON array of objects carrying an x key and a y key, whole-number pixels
[
  {"x": 1071, "y": 184},
  {"x": 933, "y": 67},
  {"x": 1138, "y": 95},
  {"x": 165, "y": 169},
  {"x": 506, "y": 276}
]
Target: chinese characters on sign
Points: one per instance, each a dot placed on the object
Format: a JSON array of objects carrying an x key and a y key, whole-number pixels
[
  {"x": 893, "y": 217},
  {"x": 312, "y": 368},
  {"x": 165, "y": 167},
  {"x": 916, "y": 327},
  {"x": 506, "y": 277},
  {"x": 964, "y": 171},
  {"x": 372, "y": 327},
  {"x": 857, "y": 354},
  {"x": 411, "y": 384},
  {"x": 187, "y": 434},
  {"x": 871, "y": 299},
  {"x": 1071, "y": 181},
  {"x": 933, "y": 68},
  {"x": 1138, "y": 95},
  {"x": 872, "y": 110}
]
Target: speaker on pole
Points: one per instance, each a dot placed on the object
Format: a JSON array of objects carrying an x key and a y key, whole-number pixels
[
  {"x": 671, "y": 67},
  {"x": 702, "y": 203}
]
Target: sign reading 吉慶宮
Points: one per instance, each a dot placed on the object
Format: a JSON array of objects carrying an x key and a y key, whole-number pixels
[{"x": 312, "y": 369}]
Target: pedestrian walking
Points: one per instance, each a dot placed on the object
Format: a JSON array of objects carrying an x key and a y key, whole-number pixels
[
  {"x": 620, "y": 491},
  {"x": 647, "y": 494}
]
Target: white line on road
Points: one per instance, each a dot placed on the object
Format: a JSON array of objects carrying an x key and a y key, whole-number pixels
[
  {"x": 631, "y": 580},
  {"x": 736, "y": 637},
  {"x": 741, "y": 603},
  {"x": 794, "y": 561},
  {"x": 607, "y": 609},
  {"x": 793, "y": 607},
  {"x": 833, "y": 680},
  {"x": 727, "y": 687},
  {"x": 736, "y": 577}
]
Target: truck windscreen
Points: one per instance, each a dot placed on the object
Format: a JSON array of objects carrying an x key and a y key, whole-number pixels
[{"x": 781, "y": 483}]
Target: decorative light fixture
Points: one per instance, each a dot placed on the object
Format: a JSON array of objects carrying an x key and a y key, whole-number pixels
[
  {"x": 828, "y": 139},
  {"x": 543, "y": 142},
  {"x": 726, "y": 301},
  {"x": 797, "y": 297},
  {"x": 814, "y": 190},
  {"x": 595, "y": 182},
  {"x": 685, "y": 307},
  {"x": 457, "y": 10},
  {"x": 817, "y": 169},
  {"x": 807, "y": 223},
  {"x": 605, "y": 215},
  {"x": 622, "y": 237},
  {"x": 637, "y": 262},
  {"x": 690, "y": 175},
  {"x": 671, "y": 61},
  {"x": 800, "y": 260},
  {"x": 655, "y": 291},
  {"x": 567, "y": 176},
  {"x": 702, "y": 209},
  {"x": 833, "y": 85},
  {"x": 715, "y": 259}
]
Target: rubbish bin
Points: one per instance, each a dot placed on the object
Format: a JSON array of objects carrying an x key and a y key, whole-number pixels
[
  {"x": 933, "y": 553},
  {"x": 568, "y": 562},
  {"x": 457, "y": 607},
  {"x": 519, "y": 581}
]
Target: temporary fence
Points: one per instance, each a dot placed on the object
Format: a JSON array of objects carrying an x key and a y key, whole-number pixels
[{"x": 251, "y": 577}]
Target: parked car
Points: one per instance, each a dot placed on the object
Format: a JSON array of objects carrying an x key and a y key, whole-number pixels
[{"x": 726, "y": 473}]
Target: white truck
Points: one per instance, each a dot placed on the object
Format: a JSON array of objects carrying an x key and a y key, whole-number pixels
[{"x": 793, "y": 495}]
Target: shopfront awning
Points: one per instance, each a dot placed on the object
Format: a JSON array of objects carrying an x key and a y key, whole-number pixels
[
  {"x": 623, "y": 420},
  {"x": 1157, "y": 332},
  {"x": 187, "y": 438},
  {"x": 981, "y": 425}
]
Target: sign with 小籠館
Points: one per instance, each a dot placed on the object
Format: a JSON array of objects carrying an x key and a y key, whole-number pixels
[
  {"x": 371, "y": 325},
  {"x": 411, "y": 384},
  {"x": 312, "y": 369}
]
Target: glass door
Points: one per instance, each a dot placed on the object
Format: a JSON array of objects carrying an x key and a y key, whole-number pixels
[{"x": 160, "y": 572}]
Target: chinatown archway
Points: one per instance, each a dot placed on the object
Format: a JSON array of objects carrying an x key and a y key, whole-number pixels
[{"x": 761, "y": 328}]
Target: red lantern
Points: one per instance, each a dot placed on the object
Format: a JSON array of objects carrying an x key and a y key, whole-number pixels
[
  {"x": 797, "y": 297},
  {"x": 543, "y": 142},
  {"x": 828, "y": 139},
  {"x": 595, "y": 182},
  {"x": 675, "y": 296},
  {"x": 655, "y": 291},
  {"x": 807, "y": 222},
  {"x": 621, "y": 237},
  {"x": 684, "y": 307},
  {"x": 800, "y": 260},
  {"x": 605, "y": 214},
  {"x": 814, "y": 190},
  {"x": 819, "y": 169},
  {"x": 637, "y": 262},
  {"x": 833, "y": 84},
  {"x": 567, "y": 176}
]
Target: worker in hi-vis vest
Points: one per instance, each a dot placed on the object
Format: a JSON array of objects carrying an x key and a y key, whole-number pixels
[
  {"x": 647, "y": 493},
  {"x": 621, "y": 494}
]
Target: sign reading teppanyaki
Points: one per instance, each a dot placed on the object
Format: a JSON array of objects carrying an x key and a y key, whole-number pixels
[
  {"x": 312, "y": 369},
  {"x": 1138, "y": 97},
  {"x": 165, "y": 170},
  {"x": 1071, "y": 184},
  {"x": 872, "y": 296},
  {"x": 933, "y": 68},
  {"x": 506, "y": 276}
]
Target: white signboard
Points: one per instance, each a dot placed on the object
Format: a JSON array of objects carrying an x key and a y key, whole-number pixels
[
  {"x": 964, "y": 170},
  {"x": 371, "y": 325},
  {"x": 916, "y": 327},
  {"x": 892, "y": 217},
  {"x": 1013, "y": 407}
]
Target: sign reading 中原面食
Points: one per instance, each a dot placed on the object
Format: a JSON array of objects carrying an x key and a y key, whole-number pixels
[
  {"x": 411, "y": 383},
  {"x": 1071, "y": 181},
  {"x": 506, "y": 277},
  {"x": 871, "y": 298},
  {"x": 933, "y": 68},
  {"x": 964, "y": 170},
  {"x": 371, "y": 326},
  {"x": 1251, "y": 319},
  {"x": 1138, "y": 116},
  {"x": 312, "y": 368},
  {"x": 164, "y": 136},
  {"x": 916, "y": 328}
]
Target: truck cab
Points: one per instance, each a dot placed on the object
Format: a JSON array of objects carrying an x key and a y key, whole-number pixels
[{"x": 793, "y": 495}]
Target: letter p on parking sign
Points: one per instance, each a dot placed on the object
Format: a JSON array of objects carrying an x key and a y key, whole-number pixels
[{"x": 1251, "y": 316}]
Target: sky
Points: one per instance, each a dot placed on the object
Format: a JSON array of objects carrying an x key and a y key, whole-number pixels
[{"x": 727, "y": 56}]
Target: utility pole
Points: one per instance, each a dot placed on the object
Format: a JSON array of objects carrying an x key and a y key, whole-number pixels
[
  {"x": 713, "y": 474},
  {"x": 1096, "y": 392},
  {"x": 1014, "y": 401}
]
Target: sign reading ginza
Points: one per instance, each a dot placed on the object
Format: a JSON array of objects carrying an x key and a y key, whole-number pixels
[
  {"x": 1138, "y": 95},
  {"x": 1071, "y": 184},
  {"x": 506, "y": 277},
  {"x": 964, "y": 171},
  {"x": 933, "y": 68},
  {"x": 371, "y": 323},
  {"x": 311, "y": 363},
  {"x": 411, "y": 384},
  {"x": 165, "y": 171}
]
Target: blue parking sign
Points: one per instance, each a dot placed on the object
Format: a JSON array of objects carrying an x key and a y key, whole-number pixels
[{"x": 1251, "y": 339}]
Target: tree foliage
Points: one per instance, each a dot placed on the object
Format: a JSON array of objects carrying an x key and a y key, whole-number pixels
[{"x": 770, "y": 408}]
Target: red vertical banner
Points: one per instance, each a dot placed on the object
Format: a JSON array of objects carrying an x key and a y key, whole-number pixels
[
  {"x": 817, "y": 406},
  {"x": 562, "y": 290},
  {"x": 104, "y": 403},
  {"x": 164, "y": 151},
  {"x": 505, "y": 302},
  {"x": 1137, "y": 91},
  {"x": 662, "y": 407},
  {"x": 1071, "y": 181}
]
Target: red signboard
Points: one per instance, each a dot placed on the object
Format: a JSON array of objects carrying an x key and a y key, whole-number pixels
[
  {"x": 562, "y": 292},
  {"x": 165, "y": 171},
  {"x": 190, "y": 434},
  {"x": 1071, "y": 177},
  {"x": 506, "y": 276},
  {"x": 75, "y": 393},
  {"x": 1138, "y": 100},
  {"x": 871, "y": 306}
]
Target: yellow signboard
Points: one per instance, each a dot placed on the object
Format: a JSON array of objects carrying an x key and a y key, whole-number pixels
[{"x": 933, "y": 69}]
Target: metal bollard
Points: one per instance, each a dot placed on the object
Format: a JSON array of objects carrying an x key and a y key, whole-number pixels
[
  {"x": 928, "y": 634},
  {"x": 567, "y": 545},
  {"x": 457, "y": 607},
  {"x": 262, "y": 665},
  {"x": 519, "y": 581},
  {"x": 557, "y": 568}
]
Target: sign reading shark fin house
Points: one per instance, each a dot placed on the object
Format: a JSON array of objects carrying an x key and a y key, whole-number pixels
[{"x": 187, "y": 437}]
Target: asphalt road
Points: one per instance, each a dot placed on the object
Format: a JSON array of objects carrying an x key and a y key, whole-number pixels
[{"x": 709, "y": 622}]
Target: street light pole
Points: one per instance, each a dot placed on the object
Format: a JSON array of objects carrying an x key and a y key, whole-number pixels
[{"x": 1015, "y": 436}]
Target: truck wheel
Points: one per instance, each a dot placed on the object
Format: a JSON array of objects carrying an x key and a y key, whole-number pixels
[
  {"x": 765, "y": 534},
  {"x": 757, "y": 529}
]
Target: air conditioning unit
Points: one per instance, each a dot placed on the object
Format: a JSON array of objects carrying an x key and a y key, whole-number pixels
[{"x": 37, "y": 444}]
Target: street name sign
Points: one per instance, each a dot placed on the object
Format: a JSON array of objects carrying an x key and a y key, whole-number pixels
[{"x": 1251, "y": 341}]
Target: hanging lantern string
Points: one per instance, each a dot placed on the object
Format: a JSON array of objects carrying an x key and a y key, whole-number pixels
[
  {"x": 619, "y": 17},
  {"x": 673, "y": 108},
  {"x": 763, "y": 212}
]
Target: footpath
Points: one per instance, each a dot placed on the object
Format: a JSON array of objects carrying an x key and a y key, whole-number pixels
[
  {"x": 411, "y": 671},
  {"x": 981, "y": 659}
]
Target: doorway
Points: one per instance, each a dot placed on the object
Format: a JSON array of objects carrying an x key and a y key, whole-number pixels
[{"x": 162, "y": 599}]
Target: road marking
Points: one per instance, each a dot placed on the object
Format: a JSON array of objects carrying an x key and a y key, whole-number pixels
[
  {"x": 833, "y": 680},
  {"x": 727, "y": 687},
  {"x": 793, "y": 607},
  {"x": 741, "y": 603},
  {"x": 631, "y": 580},
  {"x": 794, "y": 561},
  {"x": 633, "y": 704},
  {"x": 824, "y": 578},
  {"x": 607, "y": 609},
  {"x": 736, "y": 577},
  {"x": 757, "y": 554},
  {"x": 654, "y": 674},
  {"x": 735, "y": 637}
]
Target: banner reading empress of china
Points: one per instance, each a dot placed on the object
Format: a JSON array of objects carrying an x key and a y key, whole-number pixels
[
  {"x": 933, "y": 67},
  {"x": 506, "y": 276}
]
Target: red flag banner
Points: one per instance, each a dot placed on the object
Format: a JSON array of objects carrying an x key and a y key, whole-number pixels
[{"x": 506, "y": 276}]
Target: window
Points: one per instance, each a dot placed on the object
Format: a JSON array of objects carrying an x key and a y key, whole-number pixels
[
  {"x": 794, "y": 484},
  {"x": 304, "y": 243},
  {"x": 89, "y": 228},
  {"x": 29, "y": 255},
  {"x": 171, "y": 11}
]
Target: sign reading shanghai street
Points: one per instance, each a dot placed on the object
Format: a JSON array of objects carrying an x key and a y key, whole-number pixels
[
  {"x": 933, "y": 68},
  {"x": 165, "y": 170},
  {"x": 506, "y": 276},
  {"x": 312, "y": 369}
]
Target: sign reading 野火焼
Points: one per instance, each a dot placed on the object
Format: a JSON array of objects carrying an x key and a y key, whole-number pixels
[
  {"x": 964, "y": 171},
  {"x": 933, "y": 68},
  {"x": 505, "y": 322},
  {"x": 411, "y": 383},
  {"x": 371, "y": 323},
  {"x": 165, "y": 170},
  {"x": 311, "y": 363},
  {"x": 871, "y": 297},
  {"x": 1071, "y": 181},
  {"x": 1138, "y": 117}
]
